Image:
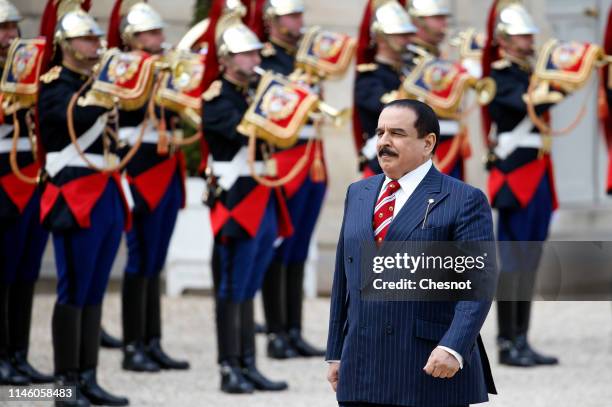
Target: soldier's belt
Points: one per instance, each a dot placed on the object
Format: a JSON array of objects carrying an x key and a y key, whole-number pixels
[
  {"x": 56, "y": 161},
  {"x": 510, "y": 141},
  {"x": 130, "y": 134},
  {"x": 449, "y": 127},
  {"x": 5, "y": 130},
  {"x": 23, "y": 144},
  {"x": 98, "y": 160},
  {"x": 228, "y": 172}
]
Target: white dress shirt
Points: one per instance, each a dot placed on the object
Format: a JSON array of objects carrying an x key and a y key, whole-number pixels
[{"x": 408, "y": 184}]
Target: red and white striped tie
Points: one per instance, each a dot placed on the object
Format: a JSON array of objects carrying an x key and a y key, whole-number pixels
[{"x": 383, "y": 212}]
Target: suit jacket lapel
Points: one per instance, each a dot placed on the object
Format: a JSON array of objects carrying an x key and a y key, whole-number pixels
[
  {"x": 367, "y": 202},
  {"x": 412, "y": 213}
]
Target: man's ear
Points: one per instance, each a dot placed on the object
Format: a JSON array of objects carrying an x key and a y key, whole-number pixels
[{"x": 430, "y": 142}]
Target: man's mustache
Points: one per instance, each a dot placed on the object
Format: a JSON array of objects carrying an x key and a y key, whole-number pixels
[{"x": 385, "y": 150}]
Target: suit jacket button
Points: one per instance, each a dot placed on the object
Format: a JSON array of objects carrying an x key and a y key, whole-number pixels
[
  {"x": 350, "y": 259},
  {"x": 389, "y": 330}
]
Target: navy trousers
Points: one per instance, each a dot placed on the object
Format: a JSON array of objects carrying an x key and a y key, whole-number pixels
[
  {"x": 239, "y": 265},
  {"x": 149, "y": 238},
  {"x": 84, "y": 257},
  {"x": 304, "y": 208},
  {"x": 23, "y": 242}
]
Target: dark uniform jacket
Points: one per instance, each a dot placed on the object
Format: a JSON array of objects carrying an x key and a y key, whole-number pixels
[
  {"x": 71, "y": 194},
  {"x": 237, "y": 211},
  {"x": 514, "y": 180}
]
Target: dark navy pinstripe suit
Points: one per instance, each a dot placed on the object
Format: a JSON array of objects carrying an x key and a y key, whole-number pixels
[{"x": 383, "y": 346}]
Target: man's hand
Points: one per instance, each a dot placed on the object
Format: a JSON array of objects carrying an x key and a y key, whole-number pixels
[
  {"x": 441, "y": 364},
  {"x": 333, "y": 374}
]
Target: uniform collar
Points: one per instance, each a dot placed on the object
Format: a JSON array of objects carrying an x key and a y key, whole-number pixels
[
  {"x": 430, "y": 48},
  {"x": 75, "y": 72},
  {"x": 285, "y": 46},
  {"x": 396, "y": 66},
  {"x": 239, "y": 87}
]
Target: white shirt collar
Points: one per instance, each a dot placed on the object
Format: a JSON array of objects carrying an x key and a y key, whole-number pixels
[{"x": 411, "y": 180}]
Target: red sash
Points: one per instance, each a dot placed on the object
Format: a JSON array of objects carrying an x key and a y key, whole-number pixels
[{"x": 18, "y": 191}]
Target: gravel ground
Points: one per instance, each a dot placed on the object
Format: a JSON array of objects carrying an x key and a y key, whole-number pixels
[{"x": 580, "y": 333}]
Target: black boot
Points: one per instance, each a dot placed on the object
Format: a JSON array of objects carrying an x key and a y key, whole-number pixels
[
  {"x": 274, "y": 298},
  {"x": 233, "y": 381},
  {"x": 90, "y": 346},
  {"x": 279, "y": 347},
  {"x": 511, "y": 355},
  {"x": 133, "y": 301},
  {"x": 303, "y": 348},
  {"x": 109, "y": 342},
  {"x": 8, "y": 373},
  {"x": 228, "y": 341},
  {"x": 538, "y": 358},
  {"x": 295, "y": 298},
  {"x": 153, "y": 329},
  {"x": 247, "y": 359},
  {"x": 20, "y": 318},
  {"x": 66, "y": 332}
]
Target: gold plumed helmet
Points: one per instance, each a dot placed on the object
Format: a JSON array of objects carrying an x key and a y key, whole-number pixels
[
  {"x": 428, "y": 8},
  {"x": 140, "y": 17},
  {"x": 391, "y": 18},
  {"x": 514, "y": 19},
  {"x": 231, "y": 35},
  {"x": 276, "y": 8},
  {"x": 9, "y": 13},
  {"x": 75, "y": 22}
]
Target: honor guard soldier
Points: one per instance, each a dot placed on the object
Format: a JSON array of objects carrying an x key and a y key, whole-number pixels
[
  {"x": 431, "y": 20},
  {"x": 22, "y": 238},
  {"x": 385, "y": 33},
  {"x": 521, "y": 185},
  {"x": 156, "y": 179},
  {"x": 244, "y": 215},
  {"x": 283, "y": 285},
  {"x": 83, "y": 203}
]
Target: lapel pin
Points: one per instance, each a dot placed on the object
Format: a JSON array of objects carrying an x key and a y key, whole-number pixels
[{"x": 429, "y": 203}]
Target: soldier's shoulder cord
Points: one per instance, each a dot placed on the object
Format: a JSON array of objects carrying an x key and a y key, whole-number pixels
[
  {"x": 361, "y": 68},
  {"x": 51, "y": 75},
  {"x": 213, "y": 91}
]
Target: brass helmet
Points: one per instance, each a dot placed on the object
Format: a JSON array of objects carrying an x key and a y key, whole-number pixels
[
  {"x": 428, "y": 8},
  {"x": 231, "y": 35},
  {"x": 276, "y": 8},
  {"x": 75, "y": 22},
  {"x": 514, "y": 19},
  {"x": 9, "y": 13},
  {"x": 391, "y": 18},
  {"x": 140, "y": 17}
]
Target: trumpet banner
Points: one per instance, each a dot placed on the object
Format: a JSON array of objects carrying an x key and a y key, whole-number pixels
[
  {"x": 439, "y": 82},
  {"x": 127, "y": 76},
  {"x": 182, "y": 86},
  {"x": 22, "y": 70},
  {"x": 570, "y": 62},
  {"x": 279, "y": 111},
  {"x": 327, "y": 52}
]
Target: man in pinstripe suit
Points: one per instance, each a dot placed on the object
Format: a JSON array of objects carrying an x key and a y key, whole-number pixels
[{"x": 407, "y": 353}]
